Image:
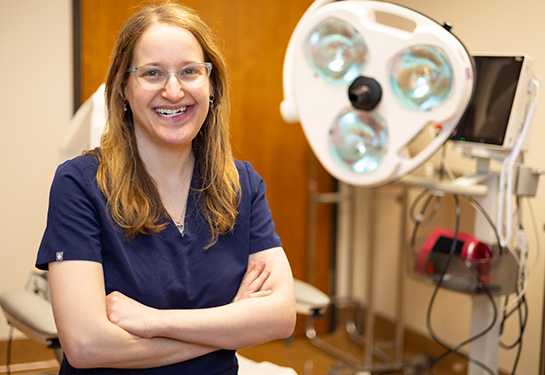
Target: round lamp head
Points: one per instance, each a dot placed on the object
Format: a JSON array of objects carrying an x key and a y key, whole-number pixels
[{"x": 367, "y": 78}]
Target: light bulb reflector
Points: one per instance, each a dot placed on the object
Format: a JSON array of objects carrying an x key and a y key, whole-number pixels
[
  {"x": 336, "y": 51},
  {"x": 358, "y": 141},
  {"x": 421, "y": 77}
]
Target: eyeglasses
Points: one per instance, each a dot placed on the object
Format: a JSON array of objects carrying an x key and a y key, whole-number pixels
[{"x": 156, "y": 78}]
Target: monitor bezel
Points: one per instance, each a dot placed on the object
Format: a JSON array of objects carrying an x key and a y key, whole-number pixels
[{"x": 519, "y": 106}]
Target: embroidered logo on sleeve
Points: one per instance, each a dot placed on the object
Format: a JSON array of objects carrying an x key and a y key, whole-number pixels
[{"x": 59, "y": 257}]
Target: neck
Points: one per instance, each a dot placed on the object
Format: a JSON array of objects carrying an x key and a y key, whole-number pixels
[
  {"x": 172, "y": 169},
  {"x": 172, "y": 173},
  {"x": 168, "y": 166}
]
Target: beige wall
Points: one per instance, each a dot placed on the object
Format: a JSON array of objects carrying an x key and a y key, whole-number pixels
[
  {"x": 36, "y": 103},
  {"x": 484, "y": 26}
]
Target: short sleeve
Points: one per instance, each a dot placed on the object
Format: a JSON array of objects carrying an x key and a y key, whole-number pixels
[
  {"x": 73, "y": 230},
  {"x": 262, "y": 229}
]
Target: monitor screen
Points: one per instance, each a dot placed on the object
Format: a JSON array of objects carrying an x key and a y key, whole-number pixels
[{"x": 487, "y": 117}]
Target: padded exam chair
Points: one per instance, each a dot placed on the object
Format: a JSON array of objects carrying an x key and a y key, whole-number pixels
[{"x": 29, "y": 310}]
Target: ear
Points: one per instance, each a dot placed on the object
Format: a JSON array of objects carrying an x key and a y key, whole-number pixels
[
  {"x": 211, "y": 90},
  {"x": 121, "y": 92}
]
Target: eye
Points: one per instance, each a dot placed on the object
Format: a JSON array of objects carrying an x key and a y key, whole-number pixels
[
  {"x": 151, "y": 73},
  {"x": 189, "y": 71}
]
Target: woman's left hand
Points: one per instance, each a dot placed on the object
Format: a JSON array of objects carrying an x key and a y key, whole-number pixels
[
  {"x": 252, "y": 283},
  {"x": 129, "y": 314}
]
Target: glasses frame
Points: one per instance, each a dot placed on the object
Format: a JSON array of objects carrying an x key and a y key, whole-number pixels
[{"x": 207, "y": 65}]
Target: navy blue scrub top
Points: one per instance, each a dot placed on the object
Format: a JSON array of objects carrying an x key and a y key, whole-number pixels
[{"x": 163, "y": 270}]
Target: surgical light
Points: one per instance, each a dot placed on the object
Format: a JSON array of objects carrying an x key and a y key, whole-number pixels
[
  {"x": 336, "y": 51},
  {"x": 421, "y": 77},
  {"x": 358, "y": 140},
  {"x": 365, "y": 79}
]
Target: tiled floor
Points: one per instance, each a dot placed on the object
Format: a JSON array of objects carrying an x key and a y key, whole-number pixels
[
  {"x": 298, "y": 353},
  {"x": 307, "y": 359}
]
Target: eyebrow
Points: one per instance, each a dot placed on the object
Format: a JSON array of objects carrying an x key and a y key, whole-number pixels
[{"x": 185, "y": 63}]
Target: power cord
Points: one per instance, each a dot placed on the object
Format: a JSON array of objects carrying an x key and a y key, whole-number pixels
[
  {"x": 519, "y": 302},
  {"x": 481, "y": 285},
  {"x": 418, "y": 220},
  {"x": 523, "y": 319}
]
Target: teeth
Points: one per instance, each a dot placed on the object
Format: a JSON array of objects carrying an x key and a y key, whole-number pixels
[{"x": 170, "y": 112}]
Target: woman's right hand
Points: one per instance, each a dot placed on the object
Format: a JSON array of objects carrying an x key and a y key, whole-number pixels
[{"x": 254, "y": 278}]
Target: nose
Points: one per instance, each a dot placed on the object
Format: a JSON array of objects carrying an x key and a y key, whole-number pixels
[{"x": 173, "y": 89}]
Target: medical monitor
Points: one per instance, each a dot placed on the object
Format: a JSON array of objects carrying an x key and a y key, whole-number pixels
[{"x": 495, "y": 116}]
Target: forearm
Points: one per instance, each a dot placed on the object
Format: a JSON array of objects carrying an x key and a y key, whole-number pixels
[
  {"x": 234, "y": 326},
  {"x": 106, "y": 345}
]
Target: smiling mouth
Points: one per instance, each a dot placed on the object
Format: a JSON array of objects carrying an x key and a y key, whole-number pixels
[{"x": 164, "y": 112}]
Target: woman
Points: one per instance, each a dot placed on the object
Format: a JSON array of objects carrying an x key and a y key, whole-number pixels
[{"x": 161, "y": 250}]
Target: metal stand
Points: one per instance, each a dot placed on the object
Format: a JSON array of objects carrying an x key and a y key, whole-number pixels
[
  {"x": 486, "y": 348},
  {"x": 366, "y": 364}
]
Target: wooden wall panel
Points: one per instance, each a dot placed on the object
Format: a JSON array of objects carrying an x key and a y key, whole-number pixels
[{"x": 255, "y": 35}]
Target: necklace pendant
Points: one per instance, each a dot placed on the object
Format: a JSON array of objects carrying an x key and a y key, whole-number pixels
[{"x": 181, "y": 228}]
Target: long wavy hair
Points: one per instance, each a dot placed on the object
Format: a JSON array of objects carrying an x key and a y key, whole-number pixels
[{"x": 133, "y": 199}]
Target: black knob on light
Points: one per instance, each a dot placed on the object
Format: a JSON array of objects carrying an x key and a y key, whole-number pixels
[{"x": 365, "y": 93}]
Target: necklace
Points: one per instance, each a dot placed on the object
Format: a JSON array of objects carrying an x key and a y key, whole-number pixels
[{"x": 179, "y": 225}]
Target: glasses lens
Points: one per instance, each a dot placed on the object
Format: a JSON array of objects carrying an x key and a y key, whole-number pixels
[
  {"x": 150, "y": 77},
  {"x": 194, "y": 75},
  {"x": 336, "y": 51},
  {"x": 421, "y": 77},
  {"x": 358, "y": 141}
]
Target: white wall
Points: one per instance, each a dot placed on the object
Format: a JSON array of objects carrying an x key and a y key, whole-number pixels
[
  {"x": 484, "y": 26},
  {"x": 36, "y": 104}
]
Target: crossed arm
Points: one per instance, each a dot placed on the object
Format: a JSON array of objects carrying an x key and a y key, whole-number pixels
[{"x": 115, "y": 331}]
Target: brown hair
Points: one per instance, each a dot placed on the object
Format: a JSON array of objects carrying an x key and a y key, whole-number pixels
[{"x": 134, "y": 202}]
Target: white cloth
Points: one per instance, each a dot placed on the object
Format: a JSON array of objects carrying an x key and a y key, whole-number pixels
[
  {"x": 85, "y": 128},
  {"x": 249, "y": 367}
]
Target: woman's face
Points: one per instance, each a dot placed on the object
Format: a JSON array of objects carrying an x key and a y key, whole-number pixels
[{"x": 171, "y": 117}]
